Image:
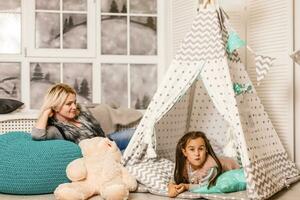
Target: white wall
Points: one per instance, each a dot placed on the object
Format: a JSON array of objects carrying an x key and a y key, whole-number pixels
[
  {"x": 270, "y": 33},
  {"x": 181, "y": 14},
  {"x": 297, "y": 83}
]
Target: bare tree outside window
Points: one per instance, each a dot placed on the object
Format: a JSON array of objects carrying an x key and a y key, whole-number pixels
[{"x": 10, "y": 80}]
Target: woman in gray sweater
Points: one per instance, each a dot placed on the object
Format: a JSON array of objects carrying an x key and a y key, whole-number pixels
[{"x": 62, "y": 118}]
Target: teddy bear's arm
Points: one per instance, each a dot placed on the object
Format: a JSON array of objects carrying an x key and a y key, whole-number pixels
[
  {"x": 128, "y": 179},
  {"x": 76, "y": 170}
]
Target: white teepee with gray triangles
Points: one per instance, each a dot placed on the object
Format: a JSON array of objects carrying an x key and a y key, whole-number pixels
[{"x": 197, "y": 94}]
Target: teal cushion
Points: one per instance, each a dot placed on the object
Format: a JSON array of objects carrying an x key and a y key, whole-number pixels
[
  {"x": 33, "y": 167},
  {"x": 229, "y": 181}
]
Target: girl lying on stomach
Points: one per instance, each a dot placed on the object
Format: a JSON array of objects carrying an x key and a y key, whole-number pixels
[{"x": 197, "y": 164}]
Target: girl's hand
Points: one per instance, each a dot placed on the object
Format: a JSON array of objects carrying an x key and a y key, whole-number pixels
[
  {"x": 182, "y": 187},
  {"x": 172, "y": 192}
]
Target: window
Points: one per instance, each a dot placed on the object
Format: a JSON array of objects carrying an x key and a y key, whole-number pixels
[
  {"x": 59, "y": 25},
  {"x": 108, "y": 50},
  {"x": 10, "y": 23},
  {"x": 136, "y": 24},
  {"x": 10, "y": 40},
  {"x": 43, "y": 75},
  {"x": 10, "y": 80}
]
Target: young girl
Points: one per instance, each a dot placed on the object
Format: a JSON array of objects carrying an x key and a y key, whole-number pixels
[{"x": 197, "y": 164}]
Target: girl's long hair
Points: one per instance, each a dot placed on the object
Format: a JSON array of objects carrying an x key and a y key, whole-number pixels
[{"x": 181, "y": 159}]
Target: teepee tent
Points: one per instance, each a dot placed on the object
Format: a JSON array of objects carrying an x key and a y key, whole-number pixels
[{"x": 197, "y": 95}]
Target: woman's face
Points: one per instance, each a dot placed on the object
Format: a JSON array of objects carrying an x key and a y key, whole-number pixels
[
  {"x": 68, "y": 110},
  {"x": 195, "y": 152}
]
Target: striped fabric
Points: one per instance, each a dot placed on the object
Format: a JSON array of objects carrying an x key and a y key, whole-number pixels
[{"x": 263, "y": 64}]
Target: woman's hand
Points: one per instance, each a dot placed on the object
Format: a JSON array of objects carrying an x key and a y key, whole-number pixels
[
  {"x": 43, "y": 119},
  {"x": 48, "y": 112}
]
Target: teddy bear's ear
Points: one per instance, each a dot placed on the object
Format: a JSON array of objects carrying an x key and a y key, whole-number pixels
[
  {"x": 83, "y": 143},
  {"x": 90, "y": 146}
]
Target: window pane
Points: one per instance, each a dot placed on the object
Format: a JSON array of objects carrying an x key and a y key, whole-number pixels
[
  {"x": 143, "y": 83},
  {"x": 47, "y": 30},
  {"x": 10, "y": 6},
  {"x": 114, "y": 35},
  {"x": 78, "y": 5},
  {"x": 114, "y": 6},
  {"x": 42, "y": 77},
  {"x": 47, "y": 4},
  {"x": 10, "y": 80},
  {"x": 10, "y": 33},
  {"x": 79, "y": 76},
  {"x": 143, "y": 36},
  {"x": 143, "y": 6},
  {"x": 114, "y": 85},
  {"x": 75, "y": 31}
]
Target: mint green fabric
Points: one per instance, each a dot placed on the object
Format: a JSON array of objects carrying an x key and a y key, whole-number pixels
[
  {"x": 33, "y": 167},
  {"x": 234, "y": 42},
  {"x": 229, "y": 181}
]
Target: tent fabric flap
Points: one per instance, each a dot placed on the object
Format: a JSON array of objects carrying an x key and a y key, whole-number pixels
[{"x": 179, "y": 78}]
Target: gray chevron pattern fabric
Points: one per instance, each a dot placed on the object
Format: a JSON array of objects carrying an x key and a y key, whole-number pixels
[
  {"x": 265, "y": 175},
  {"x": 204, "y": 41},
  {"x": 263, "y": 64},
  {"x": 154, "y": 174}
]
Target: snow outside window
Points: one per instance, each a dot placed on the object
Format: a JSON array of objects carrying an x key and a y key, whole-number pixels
[{"x": 110, "y": 51}]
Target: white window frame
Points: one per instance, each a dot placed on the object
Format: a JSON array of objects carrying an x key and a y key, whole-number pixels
[
  {"x": 31, "y": 51},
  {"x": 93, "y": 55}
]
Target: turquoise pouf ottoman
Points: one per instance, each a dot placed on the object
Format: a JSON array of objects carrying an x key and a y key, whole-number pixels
[{"x": 33, "y": 167}]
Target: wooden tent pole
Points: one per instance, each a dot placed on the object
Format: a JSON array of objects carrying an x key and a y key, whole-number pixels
[{"x": 206, "y": 2}]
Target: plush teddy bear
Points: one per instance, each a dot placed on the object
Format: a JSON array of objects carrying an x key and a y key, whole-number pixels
[{"x": 99, "y": 172}]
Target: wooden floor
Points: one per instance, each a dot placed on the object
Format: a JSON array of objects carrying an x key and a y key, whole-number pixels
[{"x": 292, "y": 193}]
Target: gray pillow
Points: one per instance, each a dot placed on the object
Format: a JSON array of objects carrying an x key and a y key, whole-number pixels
[{"x": 9, "y": 105}]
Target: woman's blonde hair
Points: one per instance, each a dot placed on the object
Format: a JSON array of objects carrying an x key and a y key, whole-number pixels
[{"x": 56, "y": 96}]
